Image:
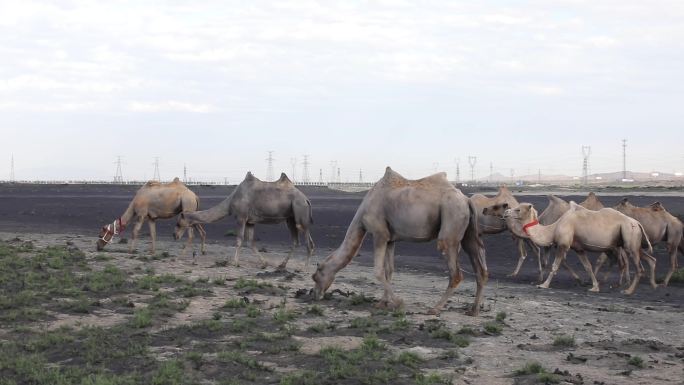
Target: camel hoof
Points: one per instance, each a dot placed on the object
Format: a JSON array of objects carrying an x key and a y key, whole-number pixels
[
  {"x": 626, "y": 292},
  {"x": 473, "y": 312},
  {"x": 594, "y": 290},
  {"x": 542, "y": 286},
  {"x": 282, "y": 266},
  {"x": 383, "y": 304},
  {"x": 511, "y": 275}
]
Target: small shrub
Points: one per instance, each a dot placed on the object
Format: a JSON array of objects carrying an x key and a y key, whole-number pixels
[
  {"x": 142, "y": 318},
  {"x": 282, "y": 315},
  {"x": 315, "y": 310},
  {"x": 636, "y": 361},
  {"x": 532, "y": 367},
  {"x": 410, "y": 359},
  {"x": 400, "y": 324},
  {"x": 493, "y": 328},
  {"x": 360, "y": 299},
  {"x": 364, "y": 323},
  {"x": 235, "y": 303},
  {"x": 501, "y": 316},
  {"x": 253, "y": 311},
  {"x": 564, "y": 341}
]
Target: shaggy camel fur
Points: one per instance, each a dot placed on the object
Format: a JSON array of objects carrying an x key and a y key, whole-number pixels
[
  {"x": 398, "y": 209},
  {"x": 661, "y": 226},
  {"x": 254, "y": 201},
  {"x": 154, "y": 201},
  {"x": 493, "y": 225},
  {"x": 584, "y": 230}
]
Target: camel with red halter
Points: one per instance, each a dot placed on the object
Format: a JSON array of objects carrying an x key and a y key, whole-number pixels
[
  {"x": 154, "y": 201},
  {"x": 489, "y": 224},
  {"x": 583, "y": 230},
  {"x": 397, "y": 209}
]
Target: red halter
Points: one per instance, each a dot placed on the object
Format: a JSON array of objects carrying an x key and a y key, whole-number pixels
[{"x": 527, "y": 226}]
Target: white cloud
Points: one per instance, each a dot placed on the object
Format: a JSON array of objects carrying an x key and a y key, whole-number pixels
[{"x": 170, "y": 106}]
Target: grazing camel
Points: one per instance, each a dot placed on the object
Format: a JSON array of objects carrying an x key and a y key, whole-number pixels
[
  {"x": 489, "y": 224},
  {"x": 584, "y": 230},
  {"x": 661, "y": 226},
  {"x": 254, "y": 201},
  {"x": 154, "y": 201},
  {"x": 398, "y": 209}
]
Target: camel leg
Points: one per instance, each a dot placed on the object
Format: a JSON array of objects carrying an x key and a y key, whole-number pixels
[
  {"x": 523, "y": 254},
  {"x": 203, "y": 237},
  {"x": 587, "y": 266},
  {"x": 394, "y": 301},
  {"x": 309, "y": 245},
  {"x": 478, "y": 260},
  {"x": 380, "y": 252},
  {"x": 455, "y": 278},
  {"x": 637, "y": 275},
  {"x": 651, "y": 267},
  {"x": 238, "y": 241},
  {"x": 153, "y": 235},
  {"x": 571, "y": 270},
  {"x": 560, "y": 255},
  {"x": 672, "y": 249},
  {"x": 294, "y": 236},
  {"x": 599, "y": 263},
  {"x": 249, "y": 232},
  {"x": 135, "y": 232}
]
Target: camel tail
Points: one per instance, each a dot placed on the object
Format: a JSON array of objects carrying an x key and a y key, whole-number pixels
[
  {"x": 648, "y": 241},
  {"x": 308, "y": 202},
  {"x": 473, "y": 226}
]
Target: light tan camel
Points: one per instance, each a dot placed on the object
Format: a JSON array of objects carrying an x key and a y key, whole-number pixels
[
  {"x": 592, "y": 202},
  {"x": 398, "y": 209},
  {"x": 661, "y": 226},
  {"x": 489, "y": 224},
  {"x": 254, "y": 201},
  {"x": 584, "y": 230},
  {"x": 154, "y": 201}
]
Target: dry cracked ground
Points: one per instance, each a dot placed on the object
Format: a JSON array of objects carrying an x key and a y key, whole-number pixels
[{"x": 69, "y": 315}]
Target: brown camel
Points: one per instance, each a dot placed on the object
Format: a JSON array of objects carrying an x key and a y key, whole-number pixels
[
  {"x": 489, "y": 224},
  {"x": 254, "y": 201},
  {"x": 154, "y": 201},
  {"x": 584, "y": 230},
  {"x": 398, "y": 209},
  {"x": 661, "y": 226}
]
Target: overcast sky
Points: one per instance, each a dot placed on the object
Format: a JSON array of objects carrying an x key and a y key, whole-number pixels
[{"x": 414, "y": 85}]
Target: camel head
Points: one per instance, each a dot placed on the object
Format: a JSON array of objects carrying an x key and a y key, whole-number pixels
[
  {"x": 323, "y": 277},
  {"x": 524, "y": 213},
  {"x": 182, "y": 223},
  {"x": 496, "y": 210},
  {"x": 107, "y": 233},
  {"x": 624, "y": 205}
]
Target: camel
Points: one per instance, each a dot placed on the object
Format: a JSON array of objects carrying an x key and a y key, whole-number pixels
[
  {"x": 154, "y": 201},
  {"x": 661, "y": 226},
  {"x": 254, "y": 201},
  {"x": 583, "y": 230},
  {"x": 493, "y": 225},
  {"x": 397, "y": 209}
]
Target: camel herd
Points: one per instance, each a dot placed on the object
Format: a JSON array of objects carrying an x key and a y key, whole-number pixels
[{"x": 398, "y": 209}]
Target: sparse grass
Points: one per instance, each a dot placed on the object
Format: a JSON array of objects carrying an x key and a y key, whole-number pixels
[
  {"x": 401, "y": 324},
  {"x": 169, "y": 373},
  {"x": 466, "y": 331},
  {"x": 108, "y": 279},
  {"x": 315, "y": 310},
  {"x": 678, "y": 276},
  {"x": 251, "y": 284},
  {"x": 410, "y": 359},
  {"x": 493, "y": 328},
  {"x": 532, "y": 367},
  {"x": 360, "y": 299},
  {"x": 142, "y": 318},
  {"x": 196, "y": 358},
  {"x": 283, "y": 315},
  {"x": 442, "y": 332},
  {"x": 432, "y": 378},
  {"x": 500, "y": 316},
  {"x": 636, "y": 361},
  {"x": 318, "y": 327},
  {"x": 235, "y": 303},
  {"x": 253, "y": 311},
  {"x": 564, "y": 341},
  {"x": 366, "y": 323},
  {"x": 241, "y": 359},
  {"x": 305, "y": 377}
]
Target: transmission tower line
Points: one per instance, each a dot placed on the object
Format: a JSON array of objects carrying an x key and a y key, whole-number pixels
[
  {"x": 305, "y": 166},
  {"x": 293, "y": 162},
  {"x": 624, "y": 158},
  {"x": 11, "y": 176},
  {"x": 185, "y": 173},
  {"x": 320, "y": 175},
  {"x": 156, "y": 169},
  {"x": 458, "y": 170},
  {"x": 118, "y": 176},
  {"x": 269, "y": 169},
  {"x": 472, "y": 160},
  {"x": 586, "y": 152},
  {"x": 360, "y": 176}
]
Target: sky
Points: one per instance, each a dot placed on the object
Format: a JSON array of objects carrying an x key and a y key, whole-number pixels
[{"x": 418, "y": 86}]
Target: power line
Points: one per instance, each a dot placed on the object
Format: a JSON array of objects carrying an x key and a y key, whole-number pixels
[
  {"x": 586, "y": 151},
  {"x": 472, "y": 160},
  {"x": 156, "y": 169},
  {"x": 118, "y": 176},
  {"x": 360, "y": 176},
  {"x": 269, "y": 169},
  {"x": 458, "y": 170},
  {"x": 305, "y": 165},
  {"x": 185, "y": 173},
  {"x": 11, "y": 179},
  {"x": 320, "y": 175},
  {"x": 293, "y": 162},
  {"x": 624, "y": 158}
]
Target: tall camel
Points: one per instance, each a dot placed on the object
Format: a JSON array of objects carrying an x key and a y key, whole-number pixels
[
  {"x": 254, "y": 201},
  {"x": 489, "y": 224},
  {"x": 584, "y": 230},
  {"x": 154, "y": 201},
  {"x": 661, "y": 226},
  {"x": 398, "y": 209}
]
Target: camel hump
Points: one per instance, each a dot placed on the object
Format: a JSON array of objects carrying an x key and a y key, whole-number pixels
[
  {"x": 250, "y": 176},
  {"x": 592, "y": 195},
  {"x": 284, "y": 178},
  {"x": 657, "y": 206},
  {"x": 176, "y": 180},
  {"x": 553, "y": 198},
  {"x": 151, "y": 183},
  {"x": 393, "y": 178},
  {"x": 575, "y": 207},
  {"x": 503, "y": 189}
]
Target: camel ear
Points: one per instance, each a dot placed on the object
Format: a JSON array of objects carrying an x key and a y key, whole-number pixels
[
  {"x": 624, "y": 201},
  {"x": 657, "y": 206},
  {"x": 505, "y": 206}
]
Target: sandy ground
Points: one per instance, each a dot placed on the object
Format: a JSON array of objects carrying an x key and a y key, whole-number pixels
[{"x": 607, "y": 327}]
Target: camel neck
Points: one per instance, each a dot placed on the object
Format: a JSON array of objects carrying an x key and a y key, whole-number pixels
[
  {"x": 539, "y": 234},
  {"x": 213, "y": 214}
]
